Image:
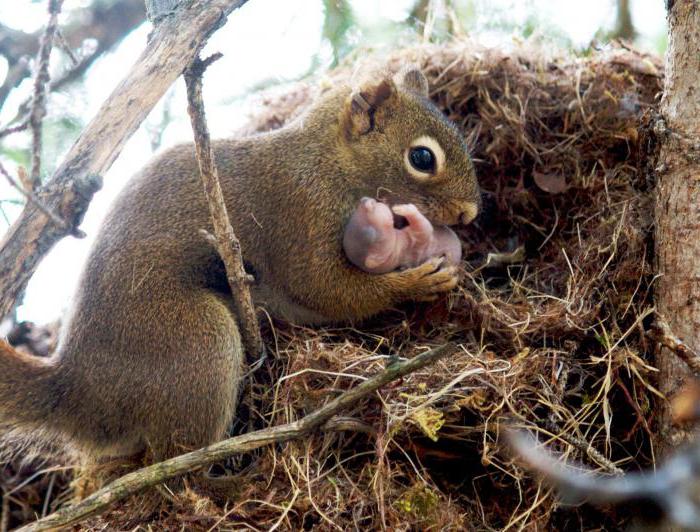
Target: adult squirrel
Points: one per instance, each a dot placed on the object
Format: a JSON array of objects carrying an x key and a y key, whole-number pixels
[{"x": 150, "y": 354}]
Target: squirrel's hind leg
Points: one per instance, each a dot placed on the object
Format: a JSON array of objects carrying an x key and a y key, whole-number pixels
[{"x": 197, "y": 406}]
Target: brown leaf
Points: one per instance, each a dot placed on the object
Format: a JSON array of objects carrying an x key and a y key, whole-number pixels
[{"x": 552, "y": 183}]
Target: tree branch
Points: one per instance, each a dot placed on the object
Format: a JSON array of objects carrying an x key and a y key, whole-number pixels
[
  {"x": 157, "y": 473},
  {"x": 671, "y": 486},
  {"x": 227, "y": 244},
  {"x": 661, "y": 333},
  {"x": 105, "y": 22},
  {"x": 174, "y": 44},
  {"x": 40, "y": 82},
  {"x": 26, "y": 191}
]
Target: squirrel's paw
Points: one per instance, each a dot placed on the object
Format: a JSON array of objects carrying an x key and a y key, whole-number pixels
[{"x": 427, "y": 281}]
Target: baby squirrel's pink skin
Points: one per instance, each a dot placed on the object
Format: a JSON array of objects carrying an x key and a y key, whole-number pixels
[{"x": 372, "y": 243}]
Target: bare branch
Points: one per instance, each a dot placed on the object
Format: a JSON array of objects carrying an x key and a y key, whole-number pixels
[
  {"x": 63, "y": 44},
  {"x": 157, "y": 473},
  {"x": 9, "y": 130},
  {"x": 106, "y": 22},
  {"x": 227, "y": 244},
  {"x": 173, "y": 46},
  {"x": 661, "y": 333},
  {"x": 40, "y": 82},
  {"x": 27, "y": 192}
]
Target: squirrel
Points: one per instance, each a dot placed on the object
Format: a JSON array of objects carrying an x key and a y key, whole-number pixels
[
  {"x": 373, "y": 243},
  {"x": 150, "y": 357}
]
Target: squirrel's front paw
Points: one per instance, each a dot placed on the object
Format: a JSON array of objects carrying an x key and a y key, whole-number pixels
[{"x": 427, "y": 281}]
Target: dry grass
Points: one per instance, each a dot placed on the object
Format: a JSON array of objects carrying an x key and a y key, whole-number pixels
[{"x": 550, "y": 318}]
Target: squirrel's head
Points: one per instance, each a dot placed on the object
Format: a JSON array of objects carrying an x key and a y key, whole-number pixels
[{"x": 407, "y": 150}]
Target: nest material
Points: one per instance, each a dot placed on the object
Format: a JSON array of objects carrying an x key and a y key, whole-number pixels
[{"x": 550, "y": 318}]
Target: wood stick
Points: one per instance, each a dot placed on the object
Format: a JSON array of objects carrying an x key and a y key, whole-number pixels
[
  {"x": 661, "y": 332},
  {"x": 38, "y": 111},
  {"x": 155, "y": 474},
  {"x": 227, "y": 244}
]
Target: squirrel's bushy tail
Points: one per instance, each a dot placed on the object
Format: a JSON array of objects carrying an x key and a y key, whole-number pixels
[{"x": 27, "y": 391}]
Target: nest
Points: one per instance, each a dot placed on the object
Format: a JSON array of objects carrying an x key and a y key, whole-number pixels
[{"x": 550, "y": 321}]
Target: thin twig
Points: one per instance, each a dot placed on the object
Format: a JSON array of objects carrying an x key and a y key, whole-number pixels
[
  {"x": 585, "y": 447},
  {"x": 34, "y": 199},
  {"x": 40, "y": 82},
  {"x": 227, "y": 244},
  {"x": 4, "y": 513},
  {"x": 63, "y": 44},
  {"x": 24, "y": 109},
  {"x": 661, "y": 333},
  {"x": 9, "y": 130},
  {"x": 157, "y": 473}
]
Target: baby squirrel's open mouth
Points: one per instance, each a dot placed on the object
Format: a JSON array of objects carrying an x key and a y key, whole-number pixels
[{"x": 399, "y": 221}]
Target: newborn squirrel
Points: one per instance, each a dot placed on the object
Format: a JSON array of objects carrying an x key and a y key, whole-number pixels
[
  {"x": 150, "y": 355},
  {"x": 373, "y": 243}
]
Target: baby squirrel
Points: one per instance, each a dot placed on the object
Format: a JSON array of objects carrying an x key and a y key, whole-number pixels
[
  {"x": 373, "y": 243},
  {"x": 150, "y": 355}
]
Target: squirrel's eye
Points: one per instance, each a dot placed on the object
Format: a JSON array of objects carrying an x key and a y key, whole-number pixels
[{"x": 422, "y": 159}]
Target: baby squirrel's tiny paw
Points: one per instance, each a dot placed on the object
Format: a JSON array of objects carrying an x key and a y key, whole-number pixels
[{"x": 427, "y": 281}]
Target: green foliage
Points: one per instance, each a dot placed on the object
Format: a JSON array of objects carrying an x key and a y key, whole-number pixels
[
  {"x": 338, "y": 23},
  {"x": 19, "y": 156},
  {"x": 59, "y": 135},
  {"x": 419, "y": 501}
]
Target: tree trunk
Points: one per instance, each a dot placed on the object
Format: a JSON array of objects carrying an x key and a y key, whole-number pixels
[
  {"x": 678, "y": 201},
  {"x": 624, "y": 29}
]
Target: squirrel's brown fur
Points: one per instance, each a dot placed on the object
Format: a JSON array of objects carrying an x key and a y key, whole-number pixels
[{"x": 150, "y": 356}]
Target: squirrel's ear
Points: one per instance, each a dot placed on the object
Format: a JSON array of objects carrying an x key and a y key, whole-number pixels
[
  {"x": 365, "y": 105},
  {"x": 411, "y": 78}
]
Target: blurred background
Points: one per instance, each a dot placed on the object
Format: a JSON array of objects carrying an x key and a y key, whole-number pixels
[{"x": 267, "y": 44}]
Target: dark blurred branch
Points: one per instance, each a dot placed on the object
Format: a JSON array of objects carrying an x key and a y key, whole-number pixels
[
  {"x": 338, "y": 20},
  {"x": 419, "y": 14},
  {"x": 624, "y": 29},
  {"x": 672, "y": 487}
]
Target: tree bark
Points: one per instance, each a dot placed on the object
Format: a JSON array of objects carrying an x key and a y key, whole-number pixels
[
  {"x": 678, "y": 202},
  {"x": 174, "y": 44}
]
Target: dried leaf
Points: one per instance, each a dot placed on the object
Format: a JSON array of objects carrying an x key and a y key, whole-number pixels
[
  {"x": 501, "y": 259},
  {"x": 552, "y": 183}
]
